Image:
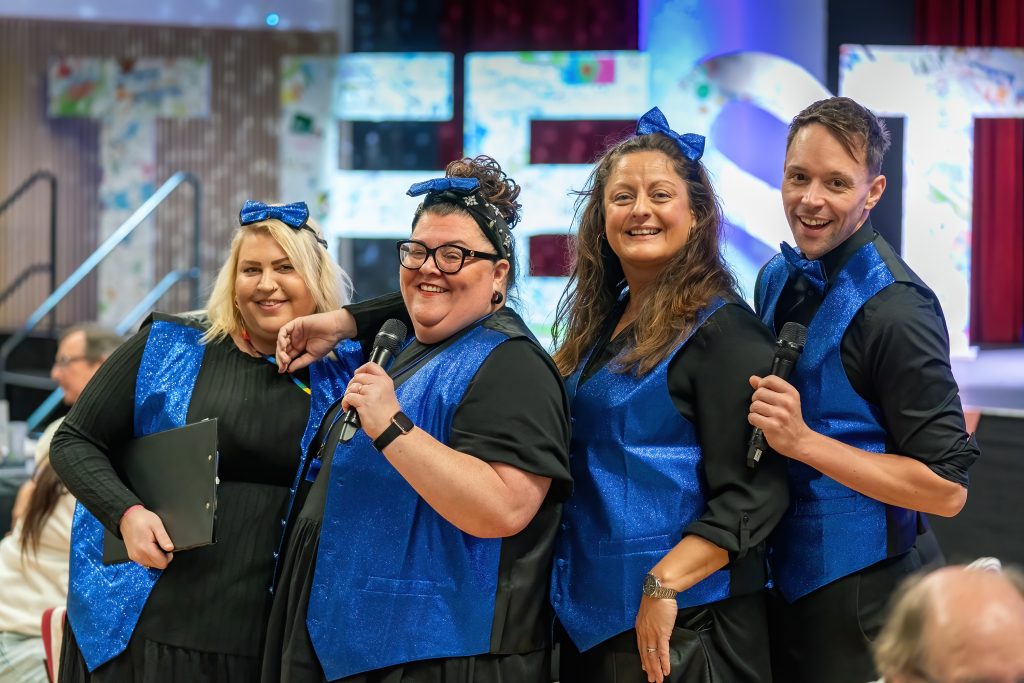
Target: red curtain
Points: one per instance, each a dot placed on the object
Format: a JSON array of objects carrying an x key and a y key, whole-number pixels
[{"x": 997, "y": 244}]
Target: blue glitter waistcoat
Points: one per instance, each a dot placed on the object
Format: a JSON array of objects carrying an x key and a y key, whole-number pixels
[
  {"x": 637, "y": 484},
  {"x": 395, "y": 582},
  {"x": 829, "y": 530},
  {"x": 105, "y": 601}
]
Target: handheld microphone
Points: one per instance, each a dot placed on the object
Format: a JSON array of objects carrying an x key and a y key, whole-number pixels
[
  {"x": 385, "y": 346},
  {"x": 791, "y": 342}
]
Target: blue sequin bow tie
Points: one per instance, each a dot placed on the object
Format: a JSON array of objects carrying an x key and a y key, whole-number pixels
[
  {"x": 654, "y": 121},
  {"x": 811, "y": 270},
  {"x": 293, "y": 215}
]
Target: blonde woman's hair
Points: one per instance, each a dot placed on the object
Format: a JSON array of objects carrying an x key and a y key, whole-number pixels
[{"x": 327, "y": 282}]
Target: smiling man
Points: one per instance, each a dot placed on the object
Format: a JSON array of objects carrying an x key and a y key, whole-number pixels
[{"x": 871, "y": 421}]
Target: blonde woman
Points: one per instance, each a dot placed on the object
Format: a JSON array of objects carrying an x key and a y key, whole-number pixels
[{"x": 198, "y": 615}]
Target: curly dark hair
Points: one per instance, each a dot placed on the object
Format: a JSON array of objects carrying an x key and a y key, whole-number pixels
[{"x": 495, "y": 186}]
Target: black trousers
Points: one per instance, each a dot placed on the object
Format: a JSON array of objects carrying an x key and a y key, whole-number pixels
[
  {"x": 724, "y": 642},
  {"x": 826, "y": 636}
]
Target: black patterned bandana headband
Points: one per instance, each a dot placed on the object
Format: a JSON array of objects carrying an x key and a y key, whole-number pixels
[{"x": 465, "y": 193}]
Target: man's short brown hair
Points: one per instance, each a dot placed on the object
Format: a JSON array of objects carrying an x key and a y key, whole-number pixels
[{"x": 854, "y": 126}]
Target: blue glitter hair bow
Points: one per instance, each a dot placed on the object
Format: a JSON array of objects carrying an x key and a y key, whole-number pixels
[
  {"x": 654, "y": 121},
  {"x": 457, "y": 185},
  {"x": 293, "y": 215},
  {"x": 465, "y": 192}
]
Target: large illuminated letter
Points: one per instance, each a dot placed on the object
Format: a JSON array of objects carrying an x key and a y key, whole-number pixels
[
  {"x": 505, "y": 92},
  {"x": 940, "y": 91},
  {"x": 414, "y": 86},
  {"x": 773, "y": 84},
  {"x": 127, "y": 97}
]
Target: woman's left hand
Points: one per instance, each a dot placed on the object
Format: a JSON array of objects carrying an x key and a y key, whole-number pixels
[
  {"x": 654, "y": 624},
  {"x": 372, "y": 393}
]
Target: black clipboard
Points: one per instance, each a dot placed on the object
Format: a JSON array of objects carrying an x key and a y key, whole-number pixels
[{"x": 174, "y": 474}]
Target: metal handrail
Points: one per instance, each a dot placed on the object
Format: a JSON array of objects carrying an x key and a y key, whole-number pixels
[
  {"x": 143, "y": 307},
  {"x": 127, "y": 323},
  {"x": 21, "y": 279},
  {"x": 7, "y": 203},
  {"x": 101, "y": 252}
]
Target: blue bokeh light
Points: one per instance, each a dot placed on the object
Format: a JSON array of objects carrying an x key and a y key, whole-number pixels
[{"x": 273, "y": 19}]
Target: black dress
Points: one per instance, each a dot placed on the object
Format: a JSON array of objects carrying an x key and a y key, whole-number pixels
[
  {"x": 516, "y": 377},
  {"x": 205, "y": 618}
]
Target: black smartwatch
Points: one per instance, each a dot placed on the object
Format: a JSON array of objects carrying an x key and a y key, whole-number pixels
[{"x": 400, "y": 424}]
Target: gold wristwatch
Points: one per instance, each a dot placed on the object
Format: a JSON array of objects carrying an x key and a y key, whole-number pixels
[{"x": 654, "y": 589}]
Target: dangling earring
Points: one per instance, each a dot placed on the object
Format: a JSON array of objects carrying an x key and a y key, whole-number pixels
[{"x": 497, "y": 298}]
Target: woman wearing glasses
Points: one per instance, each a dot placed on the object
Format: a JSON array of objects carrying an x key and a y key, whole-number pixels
[{"x": 438, "y": 517}]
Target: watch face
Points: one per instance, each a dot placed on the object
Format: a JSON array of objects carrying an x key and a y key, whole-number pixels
[
  {"x": 650, "y": 584},
  {"x": 403, "y": 421}
]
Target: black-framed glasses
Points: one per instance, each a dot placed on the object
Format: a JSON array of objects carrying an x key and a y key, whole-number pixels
[{"x": 449, "y": 258}]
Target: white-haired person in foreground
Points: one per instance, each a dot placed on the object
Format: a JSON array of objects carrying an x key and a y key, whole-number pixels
[{"x": 956, "y": 624}]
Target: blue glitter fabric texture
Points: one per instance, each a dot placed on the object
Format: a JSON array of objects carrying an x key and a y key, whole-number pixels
[
  {"x": 829, "y": 530},
  {"x": 105, "y": 601},
  {"x": 395, "y": 582},
  {"x": 637, "y": 484},
  {"x": 328, "y": 378}
]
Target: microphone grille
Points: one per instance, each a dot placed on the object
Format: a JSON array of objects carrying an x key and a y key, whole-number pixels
[
  {"x": 392, "y": 334},
  {"x": 793, "y": 333}
]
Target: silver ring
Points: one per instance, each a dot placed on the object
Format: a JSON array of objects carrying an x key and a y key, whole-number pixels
[{"x": 651, "y": 649}]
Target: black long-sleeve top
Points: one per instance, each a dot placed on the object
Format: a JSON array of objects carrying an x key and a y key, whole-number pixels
[
  {"x": 214, "y": 598},
  {"x": 896, "y": 356}
]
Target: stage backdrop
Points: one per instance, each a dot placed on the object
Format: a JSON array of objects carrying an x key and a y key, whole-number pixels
[{"x": 232, "y": 148}]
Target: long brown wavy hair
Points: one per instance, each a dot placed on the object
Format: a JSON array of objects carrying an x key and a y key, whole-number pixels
[
  {"x": 686, "y": 284},
  {"x": 41, "y": 503}
]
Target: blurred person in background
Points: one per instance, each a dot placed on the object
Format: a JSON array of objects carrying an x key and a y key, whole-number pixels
[
  {"x": 34, "y": 556},
  {"x": 956, "y": 624}
]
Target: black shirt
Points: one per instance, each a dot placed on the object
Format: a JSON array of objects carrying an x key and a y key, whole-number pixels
[
  {"x": 896, "y": 356},
  {"x": 242, "y": 391},
  {"x": 708, "y": 384}
]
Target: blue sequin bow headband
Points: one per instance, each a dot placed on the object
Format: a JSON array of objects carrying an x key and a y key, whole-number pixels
[
  {"x": 465, "y": 192},
  {"x": 654, "y": 121},
  {"x": 293, "y": 215}
]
